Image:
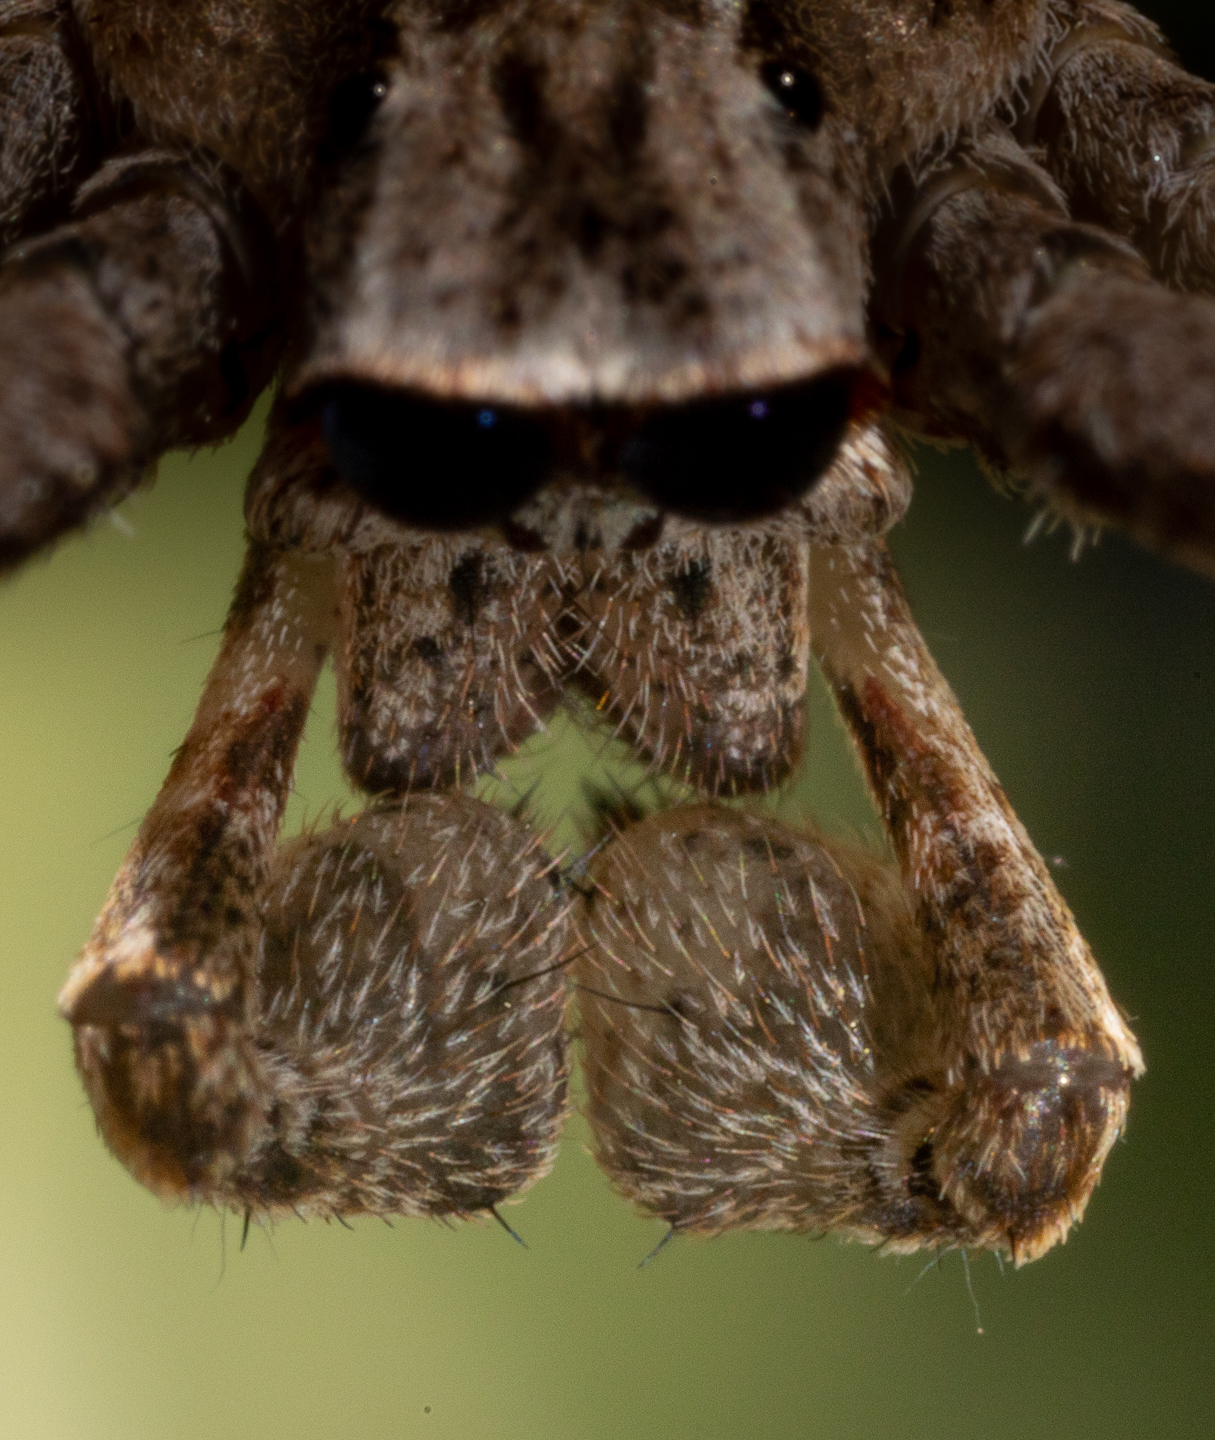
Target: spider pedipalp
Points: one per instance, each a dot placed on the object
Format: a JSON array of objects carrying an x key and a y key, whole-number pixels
[
  {"x": 370, "y": 1020},
  {"x": 783, "y": 1033}
]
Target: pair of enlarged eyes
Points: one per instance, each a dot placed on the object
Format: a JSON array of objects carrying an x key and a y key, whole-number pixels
[{"x": 722, "y": 460}]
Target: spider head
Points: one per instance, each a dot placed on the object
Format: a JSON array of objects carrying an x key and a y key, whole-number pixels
[{"x": 603, "y": 263}]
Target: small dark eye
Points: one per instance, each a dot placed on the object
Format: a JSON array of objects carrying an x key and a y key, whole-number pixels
[
  {"x": 797, "y": 90},
  {"x": 740, "y": 457},
  {"x": 351, "y": 106},
  {"x": 435, "y": 465}
]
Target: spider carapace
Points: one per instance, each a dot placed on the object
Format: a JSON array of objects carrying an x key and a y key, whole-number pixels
[{"x": 595, "y": 325}]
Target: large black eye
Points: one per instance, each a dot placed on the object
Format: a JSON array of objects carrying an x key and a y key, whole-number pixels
[
  {"x": 351, "y": 106},
  {"x": 797, "y": 90},
  {"x": 439, "y": 466},
  {"x": 743, "y": 456}
]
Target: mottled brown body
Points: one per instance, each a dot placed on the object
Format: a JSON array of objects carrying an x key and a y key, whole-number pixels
[{"x": 594, "y": 318}]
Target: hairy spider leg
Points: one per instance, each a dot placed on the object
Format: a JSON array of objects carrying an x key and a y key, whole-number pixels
[
  {"x": 748, "y": 996},
  {"x": 1047, "y": 344},
  {"x": 144, "y": 322},
  {"x": 781, "y": 1032},
  {"x": 1129, "y": 137},
  {"x": 164, "y": 997},
  {"x": 52, "y": 116}
]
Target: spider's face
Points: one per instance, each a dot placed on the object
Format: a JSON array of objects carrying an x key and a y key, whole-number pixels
[
  {"x": 549, "y": 236},
  {"x": 619, "y": 210},
  {"x": 599, "y": 247},
  {"x": 595, "y": 318},
  {"x": 588, "y": 247}
]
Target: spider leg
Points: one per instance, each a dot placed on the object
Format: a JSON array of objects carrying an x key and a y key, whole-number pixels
[
  {"x": 162, "y": 997},
  {"x": 412, "y": 972},
  {"x": 270, "y": 86},
  {"x": 774, "y": 1038},
  {"x": 864, "y": 492},
  {"x": 1130, "y": 139},
  {"x": 148, "y": 321},
  {"x": 370, "y": 1019},
  {"x": 1038, "y": 1059},
  {"x": 53, "y": 118},
  {"x": 1045, "y": 343},
  {"x": 741, "y": 989}
]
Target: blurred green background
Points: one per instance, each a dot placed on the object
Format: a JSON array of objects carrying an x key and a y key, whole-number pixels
[{"x": 1091, "y": 686}]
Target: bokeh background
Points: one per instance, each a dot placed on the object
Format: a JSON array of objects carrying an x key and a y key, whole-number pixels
[{"x": 1091, "y": 686}]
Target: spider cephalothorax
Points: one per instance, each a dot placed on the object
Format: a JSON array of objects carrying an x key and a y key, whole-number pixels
[{"x": 592, "y": 319}]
